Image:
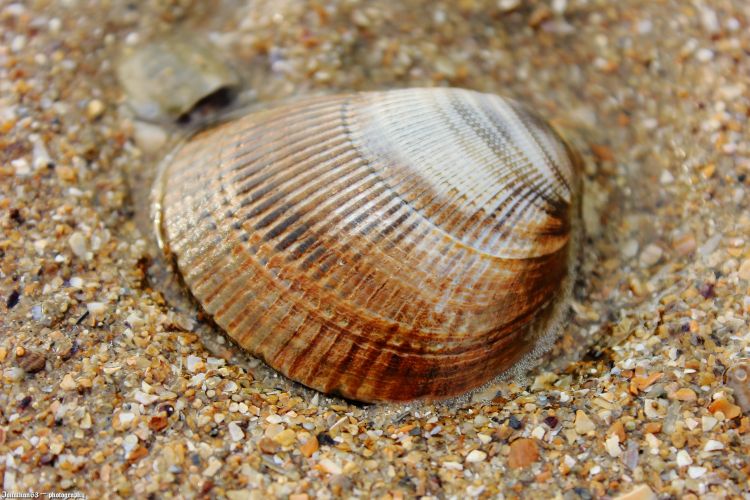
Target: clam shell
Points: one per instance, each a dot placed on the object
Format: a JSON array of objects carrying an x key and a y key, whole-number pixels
[{"x": 382, "y": 246}]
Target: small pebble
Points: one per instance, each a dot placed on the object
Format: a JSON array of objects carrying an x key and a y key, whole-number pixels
[
  {"x": 713, "y": 445},
  {"x": 583, "y": 423},
  {"x": 193, "y": 363},
  {"x": 285, "y": 437},
  {"x": 126, "y": 418},
  {"x": 744, "y": 271},
  {"x": 685, "y": 394},
  {"x": 310, "y": 447},
  {"x": 129, "y": 443},
  {"x": 708, "y": 423},
  {"x": 213, "y": 467},
  {"x": 68, "y": 383},
  {"x": 148, "y": 137},
  {"x": 640, "y": 492},
  {"x": 666, "y": 177},
  {"x": 683, "y": 458},
  {"x": 94, "y": 109},
  {"x": 523, "y": 452},
  {"x": 612, "y": 444},
  {"x": 695, "y": 472},
  {"x": 96, "y": 309},
  {"x": 630, "y": 249},
  {"x": 650, "y": 255},
  {"x": 329, "y": 466},
  {"x": 475, "y": 456},
  {"x": 145, "y": 399},
  {"x": 32, "y": 362},
  {"x": 685, "y": 244},
  {"x": 78, "y": 244},
  {"x": 235, "y": 432},
  {"x": 508, "y": 5}
]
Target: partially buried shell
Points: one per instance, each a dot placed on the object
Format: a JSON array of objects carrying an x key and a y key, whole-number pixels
[
  {"x": 382, "y": 246},
  {"x": 168, "y": 78}
]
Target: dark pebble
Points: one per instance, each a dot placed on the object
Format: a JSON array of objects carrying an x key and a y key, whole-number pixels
[
  {"x": 514, "y": 422},
  {"x": 325, "y": 440},
  {"x": 12, "y": 299}
]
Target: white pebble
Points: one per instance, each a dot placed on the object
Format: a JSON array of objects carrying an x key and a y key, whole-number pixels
[
  {"x": 126, "y": 418},
  {"x": 235, "y": 432},
  {"x": 18, "y": 43},
  {"x": 192, "y": 362},
  {"x": 450, "y": 465},
  {"x": 695, "y": 472},
  {"x": 148, "y": 137},
  {"x": 704, "y": 55},
  {"x": 683, "y": 459},
  {"x": 559, "y": 6},
  {"x": 713, "y": 445},
  {"x": 709, "y": 19},
  {"x": 475, "y": 456},
  {"x": 54, "y": 25},
  {"x": 644, "y": 26},
  {"x": 129, "y": 443},
  {"x": 666, "y": 177},
  {"x": 274, "y": 419},
  {"x": 14, "y": 374},
  {"x": 484, "y": 438},
  {"x": 134, "y": 320},
  {"x": 96, "y": 309},
  {"x": 330, "y": 467},
  {"x": 21, "y": 167},
  {"x": 214, "y": 363},
  {"x": 507, "y": 5},
  {"x": 612, "y": 444},
  {"x": 708, "y": 423},
  {"x": 538, "y": 432},
  {"x": 145, "y": 399},
  {"x": 41, "y": 158},
  {"x": 78, "y": 244},
  {"x": 651, "y": 255},
  {"x": 630, "y": 249},
  {"x": 213, "y": 467}
]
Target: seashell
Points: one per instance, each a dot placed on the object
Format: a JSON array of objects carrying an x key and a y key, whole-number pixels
[
  {"x": 381, "y": 246},
  {"x": 738, "y": 378},
  {"x": 168, "y": 78}
]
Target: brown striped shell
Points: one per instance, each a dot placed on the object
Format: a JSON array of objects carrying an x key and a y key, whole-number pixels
[{"x": 382, "y": 246}]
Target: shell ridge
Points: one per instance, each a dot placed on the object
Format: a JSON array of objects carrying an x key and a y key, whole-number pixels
[
  {"x": 525, "y": 136},
  {"x": 516, "y": 175},
  {"x": 366, "y": 157},
  {"x": 547, "y": 140}
]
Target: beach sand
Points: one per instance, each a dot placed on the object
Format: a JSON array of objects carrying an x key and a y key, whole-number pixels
[{"x": 109, "y": 389}]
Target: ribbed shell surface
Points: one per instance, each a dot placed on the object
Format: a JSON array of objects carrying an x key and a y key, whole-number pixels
[{"x": 382, "y": 246}]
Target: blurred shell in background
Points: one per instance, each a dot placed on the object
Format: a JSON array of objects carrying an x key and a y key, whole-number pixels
[{"x": 165, "y": 80}]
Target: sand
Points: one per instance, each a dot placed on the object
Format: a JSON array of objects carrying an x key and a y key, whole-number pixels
[{"x": 109, "y": 389}]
